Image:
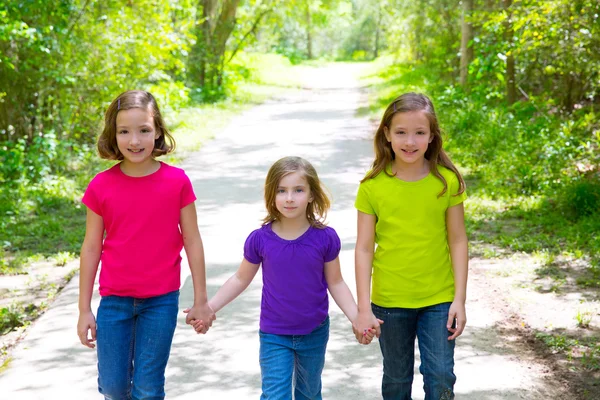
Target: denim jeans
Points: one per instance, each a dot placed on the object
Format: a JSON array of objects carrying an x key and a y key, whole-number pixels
[
  {"x": 397, "y": 342},
  {"x": 134, "y": 341},
  {"x": 293, "y": 360}
]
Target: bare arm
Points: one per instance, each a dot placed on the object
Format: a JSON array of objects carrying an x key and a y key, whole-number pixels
[
  {"x": 89, "y": 258},
  {"x": 339, "y": 290},
  {"x": 192, "y": 243},
  {"x": 235, "y": 285},
  {"x": 459, "y": 253},
  {"x": 363, "y": 259}
]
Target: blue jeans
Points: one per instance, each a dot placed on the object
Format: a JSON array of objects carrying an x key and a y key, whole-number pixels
[
  {"x": 397, "y": 342},
  {"x": 298, "y": 359},
  {"x": 134, "y": 341}
]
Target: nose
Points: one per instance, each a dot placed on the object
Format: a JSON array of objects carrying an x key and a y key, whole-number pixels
[
  {"x": 135, "y": 139},
  {"x": 410, "y": 139},
  {"x": 288, "y": 196}
]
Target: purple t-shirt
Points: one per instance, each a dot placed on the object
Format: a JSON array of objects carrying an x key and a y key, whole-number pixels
[{"x": 294, "y": 295}]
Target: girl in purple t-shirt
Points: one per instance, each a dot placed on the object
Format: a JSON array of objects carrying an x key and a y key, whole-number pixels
[
  {"x": 299, "y": 257},
  {"x": 140, "y": 214}
]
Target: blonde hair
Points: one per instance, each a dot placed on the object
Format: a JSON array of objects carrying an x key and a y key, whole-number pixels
[
  {"x": 107, "y": 142},
  {"x": 316, "y": 211},
  {"x": 435, "y": 154}
]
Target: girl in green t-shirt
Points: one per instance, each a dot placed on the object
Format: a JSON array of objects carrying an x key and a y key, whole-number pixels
[{"x": 411, "y": 205}]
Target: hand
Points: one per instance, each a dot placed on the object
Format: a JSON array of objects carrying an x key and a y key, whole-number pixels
[
  {"x": 456, "y": 313},
  {"x": 366, "y": 326},
  {"x": 364, "y": 337},
  {"x": 200, "y": 317},
  {"x": 86, "y": 322}
]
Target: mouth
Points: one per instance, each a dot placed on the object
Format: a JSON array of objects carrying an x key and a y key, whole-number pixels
[
  {"x": 409, "y": 151},
  {"x": 289, "y": 208},
  {"x": 135, "y": 151}
]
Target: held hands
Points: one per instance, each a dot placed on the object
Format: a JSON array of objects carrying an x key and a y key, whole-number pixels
[
  {"x": 200, "y": 317},
  {"x": 86, "y": 323},
  {"x": 457, "y": 319},
  {"x": 365, "y": 327}
]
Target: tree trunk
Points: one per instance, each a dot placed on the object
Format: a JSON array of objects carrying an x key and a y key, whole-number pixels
[
  {"x": 377, "y": 31},
  {"x": 206, "y": 58},
  {"x": 466, "y": 51},
  {"x": 511, "y": 91},
  {"x": 308, "y": 31}
]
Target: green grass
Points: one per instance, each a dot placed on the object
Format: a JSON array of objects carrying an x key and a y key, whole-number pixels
[
  {"x": 46, "y": 220},
  {"x": 563, "y": 218}
]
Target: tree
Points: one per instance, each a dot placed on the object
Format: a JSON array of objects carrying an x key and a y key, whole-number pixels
[
  {"x": 215, "y": 21},
  {"x": 511, "y": 91},
  {"x": 466, "y": 46}
]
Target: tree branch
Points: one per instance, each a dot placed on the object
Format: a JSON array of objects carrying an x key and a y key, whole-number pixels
[{"x": 250, "y": 31}]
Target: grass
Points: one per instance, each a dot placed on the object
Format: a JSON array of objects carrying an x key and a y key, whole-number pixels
[{"x": 47, "y": 220}]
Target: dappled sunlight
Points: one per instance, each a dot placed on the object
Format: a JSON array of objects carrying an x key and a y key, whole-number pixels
[{"x": 228, "y": 177}]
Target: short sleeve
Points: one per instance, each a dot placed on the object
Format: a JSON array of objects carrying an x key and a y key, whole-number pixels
[
  {"x": 187, "y": 192},
  {"x": 363, "y": 201},
  {"x": 333, "y": 245},
  {"x": 453, "y": 187},
  {"x": 90, "y": 197},
  {"x": 252, "y": 247}
]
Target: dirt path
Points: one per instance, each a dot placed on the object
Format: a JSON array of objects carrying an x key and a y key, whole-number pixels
[{"x": 317, "y": 123}]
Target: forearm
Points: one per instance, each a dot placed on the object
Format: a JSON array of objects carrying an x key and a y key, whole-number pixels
[
  {"x": 344, "y": 299},
  {"x": 195, "y": 254},
  {"x": 363, "y": 268},
  {"x": 88, "y": 267},
  {"x": 459, "y": 254},
  {"x": 228, "y": 292}
]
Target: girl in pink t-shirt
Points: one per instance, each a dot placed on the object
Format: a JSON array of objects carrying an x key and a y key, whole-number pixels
[{"x": 140, "y": 215}]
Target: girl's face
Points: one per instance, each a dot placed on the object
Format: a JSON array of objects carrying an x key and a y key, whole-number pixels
[
  {"x": 136, "y": 135},
  {"x": 409, "y": 134},
  {"x": 293, "y": 196}
]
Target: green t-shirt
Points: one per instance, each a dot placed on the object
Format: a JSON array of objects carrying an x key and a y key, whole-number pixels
[{"x": 411, "y": 266}]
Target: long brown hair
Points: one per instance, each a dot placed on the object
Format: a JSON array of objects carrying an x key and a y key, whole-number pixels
[
  {"x": 435, "y": 154},
  {"x": 107, "y": 142},
  {"x": 316, "y": 211}
]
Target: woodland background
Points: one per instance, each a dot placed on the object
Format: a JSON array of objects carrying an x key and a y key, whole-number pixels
[{"x": 516, "y": 85}]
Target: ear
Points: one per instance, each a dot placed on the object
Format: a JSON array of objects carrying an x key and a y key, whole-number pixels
[
  {"x": 430, "y": 139},
  {"x": 386, "y": 132},
  {"x": 158, "y": 134}
]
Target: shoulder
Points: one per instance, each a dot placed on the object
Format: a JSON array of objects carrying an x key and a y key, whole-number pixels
[
  {"x": 328, "y": 242},
  {"x": 257, "y": 235},
  {"x": 105, "y": 176},
  {"x": 328, "y": 231},
  {"x": 173, "y": 172},
  {"x": 448, "y": 174},
  {"x": 325, "y": 234},
  {"x": 382, "y": 179}
]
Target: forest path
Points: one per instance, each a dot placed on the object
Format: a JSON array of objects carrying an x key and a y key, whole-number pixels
[{"x": 318, "y": 123}]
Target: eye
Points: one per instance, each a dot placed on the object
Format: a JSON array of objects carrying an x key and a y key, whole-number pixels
[
  {"x": 146, "y": 130},
  {"x": 400, "y": 132},
  {"x": 280, "y": 191},
  {"x": 420, "y": 133},
  {"x": 299, "y": 190},
  {"x": 123, "y": 132}
]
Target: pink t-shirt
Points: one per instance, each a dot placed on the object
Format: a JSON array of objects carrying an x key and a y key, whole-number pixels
[{"x": 141, "y": 250}]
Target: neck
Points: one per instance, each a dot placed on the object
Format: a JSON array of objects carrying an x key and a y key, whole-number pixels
[
  {"x": 291, "y": 226},
  {"x": 410, "y": 172},
  {"x": 148, "y": 167}
]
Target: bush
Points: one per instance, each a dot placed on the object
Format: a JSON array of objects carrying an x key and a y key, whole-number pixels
[{"x": 581, "y": 198}]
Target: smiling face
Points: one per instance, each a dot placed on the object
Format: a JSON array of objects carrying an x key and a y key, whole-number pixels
[
  {"x": 293, "y": 195},
  {"x": 409, "y": 135},
  {"x": 136, "y": 134}
]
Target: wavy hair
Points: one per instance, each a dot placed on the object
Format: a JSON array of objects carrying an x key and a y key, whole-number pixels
[
  {"x": 107, "y": 142},
  {"x": 316, "y": 211},
  {"x": 435, "y": 154}
]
